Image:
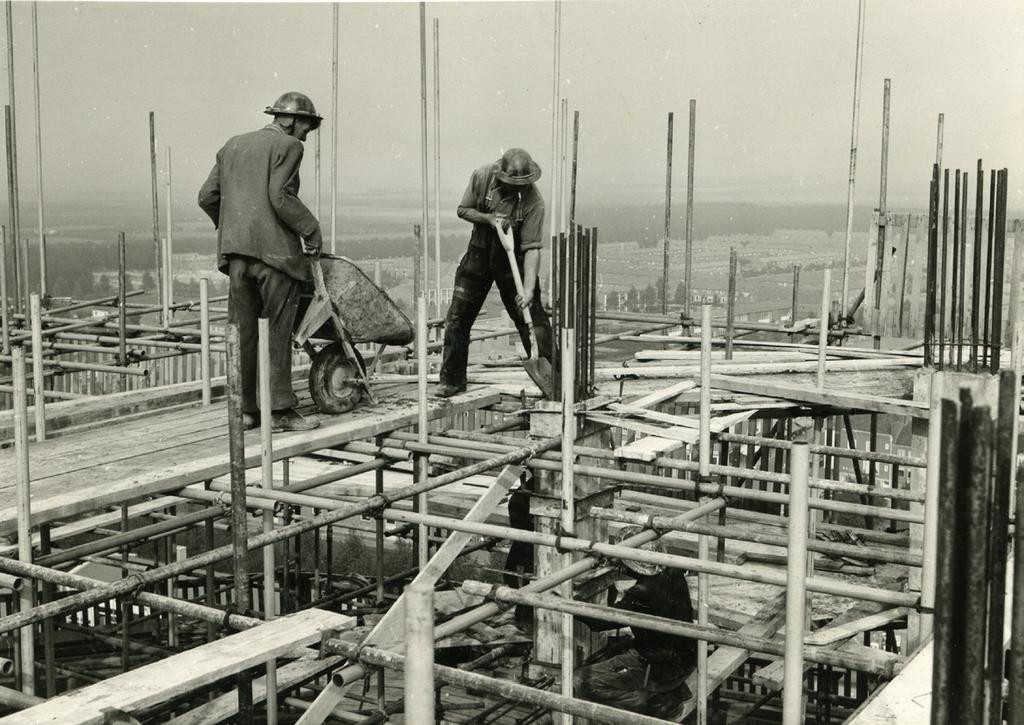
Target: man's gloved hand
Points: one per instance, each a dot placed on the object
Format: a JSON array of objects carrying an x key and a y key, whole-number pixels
[
  {"x": 312, "y": 244},
  {"x": 501, "y": 219}
]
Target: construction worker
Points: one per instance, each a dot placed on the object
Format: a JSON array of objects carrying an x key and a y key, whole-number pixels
[
  {"x": 501, "y": 192},
  {"x": 645, "y": 673},
  {"x": 264, "y": 236}
]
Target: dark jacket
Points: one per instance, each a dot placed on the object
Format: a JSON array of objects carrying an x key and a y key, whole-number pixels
[
  {"x": 525, "y": 210},
  {"x": 252, "y": 197},
  {"x": 663, "y": 595}
]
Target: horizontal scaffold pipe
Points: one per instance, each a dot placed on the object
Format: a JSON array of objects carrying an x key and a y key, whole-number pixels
[
  {"x": 878, "y": 665},
  {"x": 838, "y": 451},
  {"x": 67, "y": 365},
  {"x": 703, "y": 488},
  {"x": 505, "y": 689},
  {"x": 135, "y": 581},
  {"x": 475, "y": 441},
  {"x": 737, "y": 533}
]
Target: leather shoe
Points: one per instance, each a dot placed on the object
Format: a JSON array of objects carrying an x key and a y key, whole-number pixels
[
  {"x": 285, "y": 420},
  {"x": 250, "y": 420},
  {"x": 447, "y": 390}
]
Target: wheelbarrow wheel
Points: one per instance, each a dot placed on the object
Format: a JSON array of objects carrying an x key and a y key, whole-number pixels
[{"x": 334, "y": 381}]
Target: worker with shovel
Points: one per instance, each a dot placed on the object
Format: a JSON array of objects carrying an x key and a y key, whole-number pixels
[
  {"x": 263, "y": 233},
  {"x": 506, "y": 210}
]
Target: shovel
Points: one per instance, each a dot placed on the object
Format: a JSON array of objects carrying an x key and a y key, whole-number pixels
[{"x": 538, "y": 368}]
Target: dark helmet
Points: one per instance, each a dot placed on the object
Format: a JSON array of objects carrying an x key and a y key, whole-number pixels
[
  {"x": 294, "y": 103},
  {"x": 516, "y": 168}
]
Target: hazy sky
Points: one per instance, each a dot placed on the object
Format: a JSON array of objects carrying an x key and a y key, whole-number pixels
[{"x": 773, "y": 82}]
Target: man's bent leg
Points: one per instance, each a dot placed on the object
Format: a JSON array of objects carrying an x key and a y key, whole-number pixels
[
  {"x": 472, "y": 283},
  {"x": 618, "y": 681},
  {"x": 244, "y": 305},
  {"x": 280, "y": 295}
]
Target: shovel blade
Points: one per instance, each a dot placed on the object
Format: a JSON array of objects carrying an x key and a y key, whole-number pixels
[{"x": 539, "y": 370}]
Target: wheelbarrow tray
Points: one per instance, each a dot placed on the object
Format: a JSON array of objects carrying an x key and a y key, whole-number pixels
[{"x": 367, "y": 312}]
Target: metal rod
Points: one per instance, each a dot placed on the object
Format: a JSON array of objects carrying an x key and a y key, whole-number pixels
[
  {"x": 26, "y": 635},
  {"x": 38, "y": 379},
  {"x": 204, "y": 327},
  {"x": 437, "y": 168},
  {"x": 419, "y": 649},
  {"x": 943, "y": 270},
  {"x": 938, "y": 140},
  {"x": 5, "y": 329},
  {"x": 931, "y": 272},
  {"x": 961, "y": 301},
  {"x": 998, "y": 271},
  {"x": 854, "y": 131},
  {"x": 668, "y": 217},
  {"x": 823, "y": 326},
  {"x": 575, "y": 168},
  {"x": 796, "y": 592},
  {"x": 563, "y": 206},
  {"x": 988, "y": 263},
  {"x": 267, "y": 483},
  {"x": 157, "y": 248},
  {"x": 568, "y": 387},
  {"x": 43, "y": 290},
  {"x": 169, "y": 247},
  {"x": 955, "y": 272},
  {"x": 21, "y": 281},
  {"x": 334, "y": 129},
  {"x": 876, "y": 323},
  {"x": 688, "y": 272},
  {"x": 556, "y": 141},
  {"x": 979, "y": 209},
  {"x": 730, "y": 310}
]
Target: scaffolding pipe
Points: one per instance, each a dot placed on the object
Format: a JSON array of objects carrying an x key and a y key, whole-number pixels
[
  {"x": 38, "y": 379},
  {"x": 169, "y": 248},
  {"x": 43, "y": 292},
  {"x": 823, "y": 327},
  {"x": 267, "y": 484},
  {"x": 204, "y": 345},
  {"x": 796, "y": 589},
  {"x": 668, "y": 217},
  {"x": 23, "y": 497},
  {"x": 437, "y": 168},
  {"x": 854, "y": 130},
  {"x": 688, "y": 273},
  {"x": 419, "y": 648},
  {"x": 334, "y": 126},
  {"x": 5, "y": 328},
  {"x": 21, "y": 282},
  {"x": 676, "y": 627},
  {"x": 157, "y": 249}
]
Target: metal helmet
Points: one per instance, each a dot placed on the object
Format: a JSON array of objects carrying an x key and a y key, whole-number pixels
[
  {"x": 294, "y": 103},
  {"x": 517, "y": 168},
  {"x": 641, "y": 567}
]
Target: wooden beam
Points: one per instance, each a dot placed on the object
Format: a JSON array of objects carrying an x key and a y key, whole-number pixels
[{"x": 181, "y": 673}]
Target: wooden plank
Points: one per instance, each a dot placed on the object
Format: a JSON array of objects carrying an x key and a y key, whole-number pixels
[
  {"x": 812, "y": 396},
  {"x": 226, "y": 706},
  {"x": 660, "y": 396},
  {"x": 726, "y": 660},
  {"x": 679, "y": 433},
  {"x": 178, "y": 674},
  {"x": 63, "y": 496},
  {"x": 647, "y": 449},
  {"x": 829, "y": 635}
]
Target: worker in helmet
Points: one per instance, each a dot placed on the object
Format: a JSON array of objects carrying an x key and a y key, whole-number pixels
[
  {"x": 646, "y": 672},
  {"x": 264, "y": 234},
  {"x": 504, "y": 192}
]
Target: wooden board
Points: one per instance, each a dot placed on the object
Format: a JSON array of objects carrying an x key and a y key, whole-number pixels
[
  {"x": 826, "y": 396},
  {"x": 178, "y": 674},
  {"x": 158, "y": 467}
]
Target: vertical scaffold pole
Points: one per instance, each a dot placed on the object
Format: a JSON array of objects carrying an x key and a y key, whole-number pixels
[
  {"x": 688, "y": 272},
  {"x": 437, "y": 168},
  {"x": 43, "y": 291},
  {"x": 169, "y": 254},
  {"x": 826, "y": 304},
  {"x": 334, "y": 128},
  {"x": 419, "y": 647},
  {"x": 796, "y": 593},
  {"x": 21, "y": 281},
  {"x": 204, "y": 338},
  {"x": 267, "y": 483},
  {"x": 854, "y": 130},
  {"x": 5, "y": 324},
  {"x": 26, "y": 635},
  {"x": 239, "y": 515},
  {"x": 422, "y": 462},
  {"x": 38, "y": 377},
  {"x": 569, "y": 295},
  {"x": 158, "y": 250},
  {"x": 876, "y": 322},
  {"x": 704, "y": 452},
  {"x": 668, "y": 217},
  {"x": 556, "y": 81}
]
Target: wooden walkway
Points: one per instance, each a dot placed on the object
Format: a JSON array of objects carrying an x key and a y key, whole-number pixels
[{"x": 124, "y": 461}]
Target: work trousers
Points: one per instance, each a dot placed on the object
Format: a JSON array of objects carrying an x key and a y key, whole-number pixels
[
  {"x": 259, "y": 290},
  {"x": 479, "y": 268},
  {"x": 625, "y": 680}
]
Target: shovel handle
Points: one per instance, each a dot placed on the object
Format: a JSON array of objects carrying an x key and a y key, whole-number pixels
[{"x": 508, "y": 242}]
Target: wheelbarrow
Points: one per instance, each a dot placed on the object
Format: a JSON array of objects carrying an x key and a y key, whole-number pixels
[{"x": 344, "y": 309}]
